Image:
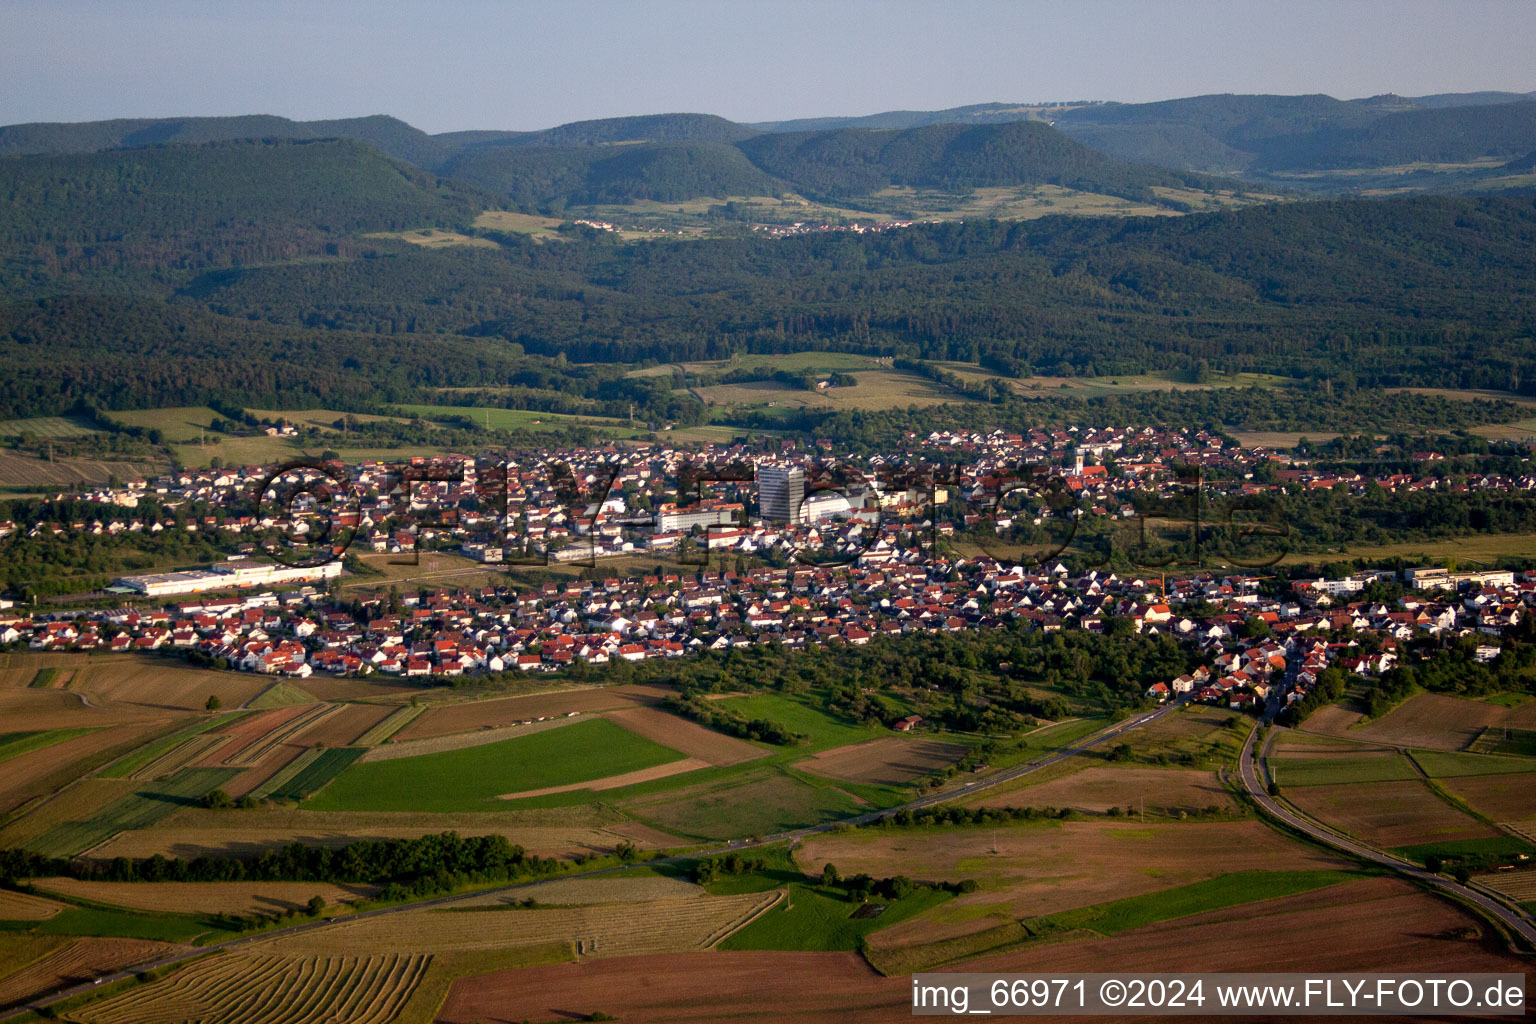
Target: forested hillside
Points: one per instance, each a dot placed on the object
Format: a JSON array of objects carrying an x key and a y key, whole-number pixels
[
  {"x": 244, "y": 271},
  {"x": 117, "y": 353},
  {"x": 1260, "y": 134},
  {"x": 856, "y": 161},
  {"x": 551, "y": 178},
  {"x": 389, "y": 135},
  {"x": 193, "y": 207},
  {"x": 1416, "y": 291}
]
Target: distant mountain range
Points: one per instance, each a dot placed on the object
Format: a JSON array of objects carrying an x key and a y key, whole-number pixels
[{"x": 1310, "y": 142}]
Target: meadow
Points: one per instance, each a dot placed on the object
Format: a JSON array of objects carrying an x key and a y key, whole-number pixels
[
  {"x": 514, "y": 419},
  {"x": 1440, "y": 764},
  {"x": 48, "y": 427},
  {"x": 1237, "y": 889},
  {"x": 815, "y": 917},
  {"x": 472, "y": 779},
  {"x": 1330, "y": 771},
  {"x": 875, "y": 389}
]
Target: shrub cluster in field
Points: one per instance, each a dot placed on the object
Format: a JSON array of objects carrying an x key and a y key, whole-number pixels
[{"x": 897, "y": 887}]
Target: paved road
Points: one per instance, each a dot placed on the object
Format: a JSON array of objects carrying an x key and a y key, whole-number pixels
[
  {"x": 1255, "y": 781},
  {"x": 996, "y": 778}
]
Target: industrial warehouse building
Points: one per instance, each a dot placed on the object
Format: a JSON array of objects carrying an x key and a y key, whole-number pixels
[{"x": 224, "y": 577}]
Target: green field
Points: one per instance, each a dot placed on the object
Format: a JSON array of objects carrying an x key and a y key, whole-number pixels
[
  {"x": 1097, "y": 387},
  {"x": 1329, "y": 771},
  {"x": 473, "y": 778},
  {"x": 178, "y": 423},
  {"x": 14, "y": 744},
  {"x": 1478, "y": 547},
  {"x": 1213, "y": 894},
  {"x": 45, "y": 427},
  {"x": 516, "y": 419},
  {"x": 44, "y": 678},
  {"x": 760, "y": 802},
  {"x": 121, "y": 924},
  {"x": 824, "y": 730},
  {"x": 1439, "y": 764},
  {"x": 817, "y": 918},
  {"x": 797, "y": 362},
  {"x": 1512, "y": 742},
  {"x": 875, "y": 389},
  {"x": 126, "y": 766},
  {"x": 314, "y": 776},
  {"x": 139, "y": 809}
]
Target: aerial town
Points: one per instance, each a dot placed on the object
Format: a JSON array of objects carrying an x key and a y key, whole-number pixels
[{"x": 795, "y": 547}]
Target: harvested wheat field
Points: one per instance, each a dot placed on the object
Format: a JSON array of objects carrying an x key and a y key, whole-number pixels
[
  {"x": 46, "y": 708},
  {"x": 78, "y": 961},
  {"x": 1333, "y": 720},
  {"x": 634, "y": 778},
  {"x": 20, "y": 906},
  {"x": 466, "y": 716},
  {"x": 689, "y": 988},
  {"x": 889, "y": 761},
  {"x": 1429, "y": 720},
  {"x": 686, "y": 737},
  {"x": 343, "y": 728},
  {"x": 20, "y": 668},
  {"x": 1388, "y": 814},
  {"x": 254, "y": 989},
  {"x": 584, "y": 891},
  {"x": 206, "y": 897},
  {"x": 243, "y": 840},
  {"x": 158, "y": 682},
  {"x": 1500, "y": 797},
  {"x": 1034, "y": 869},
  {"x": 616, "y": 929},
  {"x": 384, "y": 689},
  {"x": 1099, "y": 787}
]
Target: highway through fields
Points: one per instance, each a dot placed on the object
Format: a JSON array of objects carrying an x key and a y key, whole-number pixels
[
  {"x": 1255, "y": 781},
  {"x": 995, "y": 779}
]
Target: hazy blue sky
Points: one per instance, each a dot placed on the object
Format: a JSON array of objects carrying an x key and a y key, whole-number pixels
[{"x": 456, "y": 64}]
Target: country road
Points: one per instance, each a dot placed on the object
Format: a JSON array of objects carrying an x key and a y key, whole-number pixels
[
  {"x": 1255, "y": 780},
  {"x": 995, "y": 779}
]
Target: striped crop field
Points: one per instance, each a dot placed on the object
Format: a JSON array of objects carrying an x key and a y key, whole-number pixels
[
  {"x": 139, "y": 809},
  {"x": 614, "y": 929},
  {"x": 314, "y": 774},
  {"x": 251, "y": 989},
  {"x": 397, "y": 720}
]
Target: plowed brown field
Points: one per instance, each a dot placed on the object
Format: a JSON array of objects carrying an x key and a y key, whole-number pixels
[
  {"x": 1389, "y": 813},
  {"x": 1500, "y": 797},
  {"x": 1100, "y": 787},
  {"x": 464, "y": 717}
]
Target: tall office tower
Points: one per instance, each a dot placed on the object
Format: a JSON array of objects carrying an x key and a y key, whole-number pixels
[{"x": 781, "y": 493}]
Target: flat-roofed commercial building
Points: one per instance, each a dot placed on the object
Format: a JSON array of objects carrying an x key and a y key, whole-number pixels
[{"x": 224, "y": 577}]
